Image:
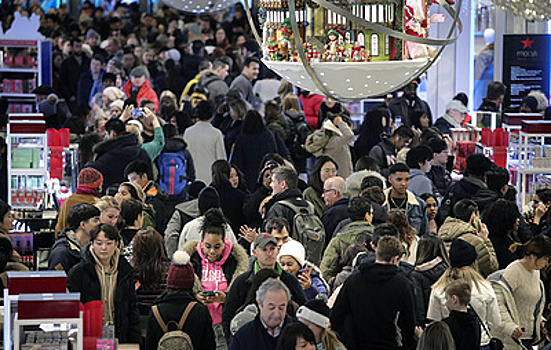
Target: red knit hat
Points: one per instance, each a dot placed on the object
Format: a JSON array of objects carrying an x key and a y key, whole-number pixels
[
  {"x": 180, "y": 274},
  {"x": 90, "y": 178}
]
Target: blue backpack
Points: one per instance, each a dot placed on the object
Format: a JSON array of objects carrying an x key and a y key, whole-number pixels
[{"x": 172, "y": 168}]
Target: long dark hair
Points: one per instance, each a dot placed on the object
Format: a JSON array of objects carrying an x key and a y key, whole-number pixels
[
  {"x": 501, "y": 218},
  {"x": 149, "y": 258},
  {"x": 371, "y": 131},
  {"x": 253, "y": 123},
  {"x": 430, "y": 247},
  {"x": 220, "y": 172},
  {"x": 315, "y": 176}
]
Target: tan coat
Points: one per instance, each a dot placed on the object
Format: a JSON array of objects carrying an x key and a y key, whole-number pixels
[
  {"x": 337, "y": 146},
  {"x": 455, "y": 228}
]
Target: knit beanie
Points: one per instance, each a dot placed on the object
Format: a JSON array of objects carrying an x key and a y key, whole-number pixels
[
  {"x": 139, "y": 191},
  {"x": 295, "y": 249},
  {"x": 195, "y": 188},
  {"x": 315, "y": 311},
  {"x": 208, "y": 199},
  {"x": 49, "y": 105},
  {"x": 92, "y": 34},
  {"x": 180, "y": 274},
  {"x": 90, "y": 178},
  {"x": 117, "y": 103},
  {"x": 462, "y": 253}
]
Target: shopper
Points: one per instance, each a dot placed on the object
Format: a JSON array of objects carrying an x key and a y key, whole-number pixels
[
  {"x": 67, "y": 250},
  {"x": 292, "y": 258},
  {"x": 251, "y": 206},
  {"x": 172, "y": 304},
  {"x": 105, "y": 275},
  {"x": 520, "y": 293},
  {"x": 216, "y": 262},
  {"x": 386, "y": 151},
  {"x": 437, "y": 336},
  {"x": 89, "y": 187},
  {"x": 139, "y": 88},
  {"x": 131, "y": 190},
  {"x": 463, "y": 321},
  {"x": 503, "y": 221},
  {"x": 483, "y": 298},
  {"x": 336, "y": 205},
  {"x": 455, "y": 114},
  {"x": 435, "y": 220},
  {"x": 323, "y": 169},
  {"x": 408, "y": 235},
  {"x": 315, "y": 314},
  {"x": 231, "y": 199},
  {"x": 419, "y": 161},
  {"x": 296, "y": 336},
  {"x": 132, "y": 221},
  {"x": 110, "y": 210},
  {"x": 6, "y": 225}
]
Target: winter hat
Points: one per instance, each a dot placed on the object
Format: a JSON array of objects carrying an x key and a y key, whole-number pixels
[
  {"x": 456, "y": 105},
  {"x": 117, "y": 103},
  {"x": 208, "y": 198},
  {"x": 92, "y": 34},
  {"x": 462, "y": 253},
  {"x": 90, "y": 178},
  {"x": 315, "y": 311},
  {"x": 136, "y": 123},
  {"x": 137, "y": 189},
  {"x": 294, "y": 249},
  {"x": 195, "y": 188},
  {"x": 180, "y": 274},
  {"x": 138, "y": 72},
  {"x": 48, "y": 106},
  {"x": 173, "y": 54},
  {"x": 112, "y": 93},
  {"x": 116, "y": 63}
]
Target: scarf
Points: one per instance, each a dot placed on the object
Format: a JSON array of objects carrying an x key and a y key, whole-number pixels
[
  {"x": 108, "y": 281},
  {"x": 85, "y": 190},
  {"x": 452, "y": 121}
]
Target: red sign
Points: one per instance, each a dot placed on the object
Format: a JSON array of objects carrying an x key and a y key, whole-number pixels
[{"x": 5, "y": 42}]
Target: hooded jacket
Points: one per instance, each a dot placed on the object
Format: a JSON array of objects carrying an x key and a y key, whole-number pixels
[
  {"x": 113, "y": 155},
  {"x": 375, "y": 309},
  {"x": 83, "y": 279},
  {"x": 183, "y": 213},
  {"x": 420, "y": 183},
  {"x": 467, "y": 187},
  {"x": 145, "y": 92},
  {"x": 384, "y": 153},
  {"x": 354, "y": 182},
  {"x": 217, "y": 275},
  {"x": 453, "y": 228},
  {"x": 426, "y": 275},
  {"x": 275, "y": 209},
  {"x": 65, "y": 253}
]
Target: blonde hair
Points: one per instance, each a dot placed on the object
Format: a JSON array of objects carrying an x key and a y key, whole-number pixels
[
  {"x": 134, "y": 129},
  {"x": 107, "y": 202},
  {"x": 465, "y": 273},
  {"x": 330, "y": 340}
]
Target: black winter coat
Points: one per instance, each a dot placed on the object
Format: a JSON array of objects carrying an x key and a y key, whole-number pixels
[
  {"x": 375, "y": 309},
  {"x": 467, "y": 187},
  {"x": 501, "y": 246},
  {"x": 333, "y": 216},
  {"x": 64, "y": 254},
  {"x": 425, "y": 278},
  {"x": 253, "y": 335},
  {"x": 113, "y": 155},
  {"x": 402, "y": 108},
  {"x": 251, "y": 205},
  {"x": 83, "y": 279},
  {"x": 441, "y": 179},
  {"x": 248, "y": 152},
  {"x": 231, "y": 201},
  {"x": 171, "y": 306},
  {"x": 382, "y": 152},
  {"x": 240, "y": 289}
]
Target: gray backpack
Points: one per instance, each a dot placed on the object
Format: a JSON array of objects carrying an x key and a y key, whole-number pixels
[
  {"x": 308, "y": 229},
  {"x": 175, "y": 339}
]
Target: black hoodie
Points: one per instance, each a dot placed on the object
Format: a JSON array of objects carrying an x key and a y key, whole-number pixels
[
  {"x": 465, "y": 329},
  {"x": 375, "y": 309}
]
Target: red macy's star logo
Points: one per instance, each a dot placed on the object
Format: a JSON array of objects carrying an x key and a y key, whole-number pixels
[{"x": 527, "y": 43}]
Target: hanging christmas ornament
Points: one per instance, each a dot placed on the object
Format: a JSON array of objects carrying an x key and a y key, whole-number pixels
[
  {"x": 199, "y": 6},
  {"x": 351, "y": 50}
]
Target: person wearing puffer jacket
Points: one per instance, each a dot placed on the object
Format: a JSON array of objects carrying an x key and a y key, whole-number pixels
[
  {"x": 216, "y": 262},
  {"x": 292, "y": 258},
  {"x": 521, "y": 294},
  {"x": 335, "y": 144},
  {"x": 483, "y": 298}
]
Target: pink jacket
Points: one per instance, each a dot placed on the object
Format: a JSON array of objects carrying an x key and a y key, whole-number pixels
[{"x": 213, "y": 277}]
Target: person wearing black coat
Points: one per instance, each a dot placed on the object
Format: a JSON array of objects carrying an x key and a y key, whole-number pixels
[
  {"x": 120, "y": 307},
  {"x": 263, "y": 190},
  {"x": 334, "y": 197},
  {"x": 425, "y": 275},
  {"x": 71, "y": 69},
  {"x": 198, "y": 326},
  {"x": 266, "y": 253},
  {"x": 254, "y": 142},
  {"x": 114, "y": 154},
  {"x": 376, "y": 304}
]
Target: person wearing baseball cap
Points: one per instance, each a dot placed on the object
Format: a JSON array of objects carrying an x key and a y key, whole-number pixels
[
  {"x": 265, "y": 251},
  {"x": 139, "y": 88},
  {"x": 455, "y": 114},
  {"x": 89, "y": 188}
]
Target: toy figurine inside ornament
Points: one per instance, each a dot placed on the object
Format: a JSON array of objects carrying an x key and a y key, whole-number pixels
[{"x": 352, "y": 49}]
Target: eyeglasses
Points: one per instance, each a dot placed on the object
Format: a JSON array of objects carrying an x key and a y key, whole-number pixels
[{"x": 329, "y": 190}]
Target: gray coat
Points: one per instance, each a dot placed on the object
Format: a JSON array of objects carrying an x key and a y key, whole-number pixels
[{"x": 206, "y": 145}]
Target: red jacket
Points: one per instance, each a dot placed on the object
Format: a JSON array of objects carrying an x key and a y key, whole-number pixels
[
  {"x": 145, "y": 92},
  {"x": 311, "y": 105}
]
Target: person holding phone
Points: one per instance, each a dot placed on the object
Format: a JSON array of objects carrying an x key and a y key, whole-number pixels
[
  {"x": 292, "y": 258},
  {"x": 216, "y": 262}
]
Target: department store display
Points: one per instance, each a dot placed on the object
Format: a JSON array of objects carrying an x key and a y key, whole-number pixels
[
  {"x": 25, "y": 63},
  {"x": 351, "y": 50}
]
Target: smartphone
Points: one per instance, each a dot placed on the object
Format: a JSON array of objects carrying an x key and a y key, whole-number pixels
[
  {"x": 137, "y": 112},
  {"x": 208, "y": 293},
  {"x": 307, "y": 271},
  {"x": 476, "y": 224}
]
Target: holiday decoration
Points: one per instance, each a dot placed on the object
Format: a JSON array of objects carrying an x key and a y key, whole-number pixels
[{"x": 351, "y": 49}]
